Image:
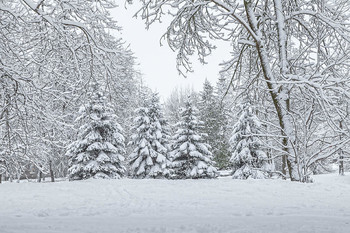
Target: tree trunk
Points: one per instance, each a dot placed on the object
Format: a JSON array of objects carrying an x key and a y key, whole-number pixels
[
  {"x": 341, "y": 156},
  {"x": 40, "y": 175},
  {"x": 51, "y": 172},
  {"x": 276, "y": 92},
  {"x": 0, "y": 178},
  {"x": 341, "y": 163}
]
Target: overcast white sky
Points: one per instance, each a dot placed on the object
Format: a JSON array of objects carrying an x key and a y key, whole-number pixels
[{"x": 158, "y": 63}]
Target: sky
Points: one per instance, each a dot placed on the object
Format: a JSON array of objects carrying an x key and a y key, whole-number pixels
[{"x": 158, "y": 63}]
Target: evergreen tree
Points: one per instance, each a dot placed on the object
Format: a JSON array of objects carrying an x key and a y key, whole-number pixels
[
  {"x": 191, "y": 157},
  {"x": 208, "y": 112},
  {"x": 98, "y": 151},
  {"x": 149, "y": 158},
  {"x": 247, "y": 155},
  {"x": 213, "y": 116},
  {"x": 159, "y": 126},
  {"x": 222, "y": 157}
]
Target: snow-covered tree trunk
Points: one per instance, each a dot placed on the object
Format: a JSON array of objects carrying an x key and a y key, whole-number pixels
[
  {"x": 277, "y": 92},
  {"x": 341, "y": 155}
]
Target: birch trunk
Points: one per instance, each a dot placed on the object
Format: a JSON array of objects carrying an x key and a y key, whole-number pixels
[{"x": 341, "y": 157}]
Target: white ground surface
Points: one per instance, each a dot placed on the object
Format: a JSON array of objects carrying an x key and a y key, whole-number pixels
[{"x": 177, "y": 206}]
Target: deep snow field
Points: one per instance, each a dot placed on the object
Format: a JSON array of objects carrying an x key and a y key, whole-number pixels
[{"x": 177, "y": 206}]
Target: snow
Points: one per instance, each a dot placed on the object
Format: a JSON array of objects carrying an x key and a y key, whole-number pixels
[{"x": 176, "y": 206}]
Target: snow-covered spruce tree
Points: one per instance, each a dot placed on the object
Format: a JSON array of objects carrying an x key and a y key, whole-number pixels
[
  {"x": 159, "y": 130},
  {"x": 214, "y": 124},
  {"x": 247, "y": 156},
  {"x": 191, "y": 156},
  {"x": 98, "y": 151},
  {"x": 149, "y": 158},
  {"x": 222, "y": 158}
]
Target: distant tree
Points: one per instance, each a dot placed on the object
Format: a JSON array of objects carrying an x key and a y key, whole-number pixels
[
  {"x": 191, "y": 156},
  {"x": 213, "y": 115},
  {"x": 98, "y": 151},
  {"x": 149, "y": 158},
  {"x": 224, "y": 117},
  {"x": 2, "y": 165},
  {"x": 247, "y": 156},
  {"x": 175, "y": 101}
]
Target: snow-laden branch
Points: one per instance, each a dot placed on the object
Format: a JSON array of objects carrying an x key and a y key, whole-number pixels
[{"x": 57, "y": 25}]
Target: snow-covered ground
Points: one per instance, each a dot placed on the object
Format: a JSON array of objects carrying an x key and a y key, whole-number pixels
[{"x": 169, "y": 206}]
